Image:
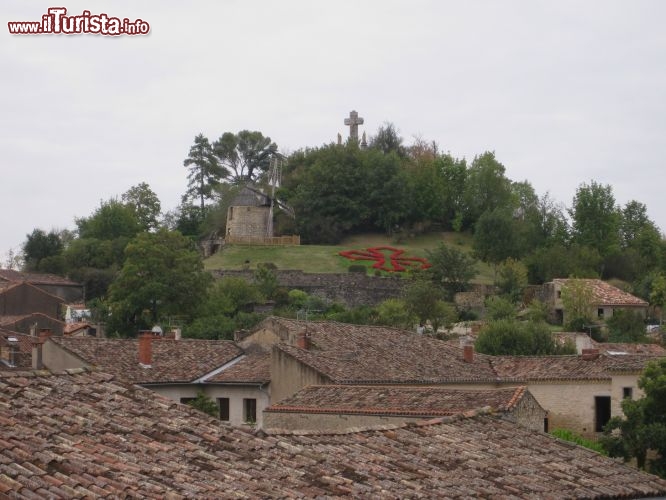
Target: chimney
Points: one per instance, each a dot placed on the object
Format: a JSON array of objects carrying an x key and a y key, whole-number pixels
[
  {"x": 303, "y": 340},
  {"x": 37, "y": 360},
  {"x": 590, "y": 354},
  {"x": 145, "y": 348},
  {"x": 177, "y": 334},
  {"x": 468, "y": 353}
]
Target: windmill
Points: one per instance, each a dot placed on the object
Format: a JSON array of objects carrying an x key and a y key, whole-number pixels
[{"x": 274, "y": 181}]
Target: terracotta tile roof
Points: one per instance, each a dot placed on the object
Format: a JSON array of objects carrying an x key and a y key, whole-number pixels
[
  {"x": 11, "y": 320},
  {"x": 172, "y": 360},
  {"x": 35, "y": 278},
  {"x": 70, "y": 328},
  {"x": 397, "y": 401},
  {"x": 366, "y": 354},
  {"x": 605, "y": 294},
  {"x": 252, "y": 368},
  {"x": 649, "y": 349},
  {"x": 526, "y": 368},
  {"x": 82, "y": 434}
]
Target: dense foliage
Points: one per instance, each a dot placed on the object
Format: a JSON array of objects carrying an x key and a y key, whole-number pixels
[
  {"x": 643, "y": 427},
  {"x": 337, "y": 190}
]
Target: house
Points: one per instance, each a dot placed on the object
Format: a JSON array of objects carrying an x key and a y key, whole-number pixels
[
  {"x": 84, "y": 434},
  {"x": 68, "y": 290},
  {"x": 605, "y": 299},
  {"x": 21, "y": 298},
  {"x": 578, "y": 392},
  {"x": 340, "y": 407},
  {"x": 235, "y": 379}
]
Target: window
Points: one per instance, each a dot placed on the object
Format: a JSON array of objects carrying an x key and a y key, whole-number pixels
[
  {"x": 602, "y": 407},
  {"x": 224, "y": 408},
  {"x": 186, "y": 400},
  {"x": 627, "y": 392},
  {"x": 559, "y": 294},
  {"x": 545, "y": 425},
  {"x": 250, "y": 410},
  {"x": 600, "y": 312}
]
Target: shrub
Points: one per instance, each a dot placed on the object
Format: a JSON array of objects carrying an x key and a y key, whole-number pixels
[
  {"x": 572, "y": 437},
  {"x": 357, "y": 268}
]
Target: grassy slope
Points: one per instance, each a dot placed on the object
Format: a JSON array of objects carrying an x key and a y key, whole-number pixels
[{"x": 325, "y": 258}]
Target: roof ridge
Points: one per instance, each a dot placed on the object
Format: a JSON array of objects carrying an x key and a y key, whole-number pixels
[{"x": 469, "y": 414}]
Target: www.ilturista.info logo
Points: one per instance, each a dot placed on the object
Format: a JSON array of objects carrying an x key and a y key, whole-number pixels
[{"x": 57, "y": 22}]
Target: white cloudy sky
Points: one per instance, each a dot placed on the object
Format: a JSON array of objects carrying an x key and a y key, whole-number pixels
[{"x": 563, "y": 91}]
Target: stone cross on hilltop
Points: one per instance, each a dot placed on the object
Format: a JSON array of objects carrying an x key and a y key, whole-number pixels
[{"x": 353, "y": 121}]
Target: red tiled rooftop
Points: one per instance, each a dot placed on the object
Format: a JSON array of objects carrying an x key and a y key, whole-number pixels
[
  {"x": 82, "y": 434},
  {"x": 356, "y": 354},
  {"x": 172, "y": 360},
  {"x": 397, "y": 401},
  {"x": 35, "y": 278},
  {"x": 252, "y": 368},
  {"x": 606, "y": 294}
]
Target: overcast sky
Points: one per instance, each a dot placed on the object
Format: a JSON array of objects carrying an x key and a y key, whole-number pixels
[{"x": 564, "y": 92}]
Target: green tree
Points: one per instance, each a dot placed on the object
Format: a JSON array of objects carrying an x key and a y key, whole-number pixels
[
  {"x": 205, "y": 174},
  {"x": 387, "y": 140},
  {"x": 266, "y": 281},
  {"x": 421, "y": 297},
  {"x": 497, "y": 236},
  {"x": 577, "y": 302},
  {"x": 486, "y": 188},
  {"x": 452, "y": 269},
  {"x": 112, "y": 219},
  {"x": 204, "y": 404},
  {"x": 500, "y": 308},
  {"x": 643, "y": 426},
  {"x": 393, "y": 312},
  {"x": 145, "y": 204},
  {"x": 658, "y": 294},
  {"x": 625, "y": 326},
  {"x": 187, "y": 219},
  {"x": 596, "y": 218},
  {"x": 40, "y": 246},
  {"x": 246, "y": 154},
  {"x": 511, "y": 279},
  {"x": 162, "y": 276},
  {"x": 510, "y": 337}
]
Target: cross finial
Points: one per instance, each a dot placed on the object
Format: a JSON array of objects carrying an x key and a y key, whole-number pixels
[{"x": 353, "y": 121}]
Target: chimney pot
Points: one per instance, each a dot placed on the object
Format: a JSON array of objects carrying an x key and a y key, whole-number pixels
[
  {"x": 590, "y": 354},
  {"x": 468, "y": 353},
  {"x": 303, "y": 340},
  {"x": 145, "y": 348}
]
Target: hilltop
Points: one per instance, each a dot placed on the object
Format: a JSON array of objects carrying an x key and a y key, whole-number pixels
[{"x": 326, "y": 258}]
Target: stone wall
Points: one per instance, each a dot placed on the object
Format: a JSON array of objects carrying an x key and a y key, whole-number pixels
[
  {"x": 350, "y": 289},
  {"x": 248, "y": 221}
]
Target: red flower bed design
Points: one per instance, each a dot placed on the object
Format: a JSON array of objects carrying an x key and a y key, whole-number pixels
[{"x": 397, "y": 263}]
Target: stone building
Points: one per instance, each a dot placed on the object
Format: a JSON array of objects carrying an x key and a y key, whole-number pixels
[
  {"x": 235, "y": 379},
  {"x": 606, "y": 299},
  {"x": 249, "y": 217},
  {"x": 579, "y": 392}
]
